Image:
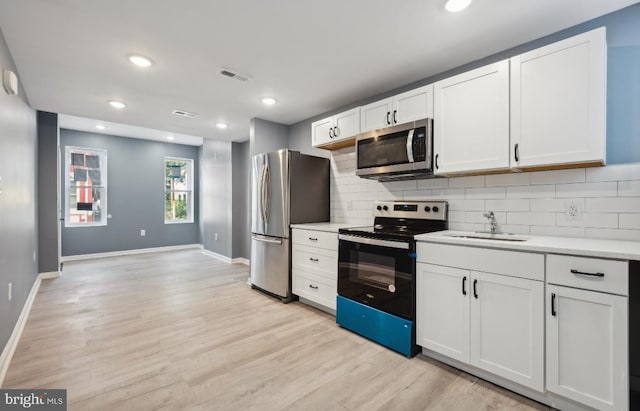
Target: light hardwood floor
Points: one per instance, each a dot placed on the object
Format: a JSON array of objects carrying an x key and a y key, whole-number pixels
[{"x": 183, "y": 331}]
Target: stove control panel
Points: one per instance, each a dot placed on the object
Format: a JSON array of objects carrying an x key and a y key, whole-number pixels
[{"x": 426, "y": 210}]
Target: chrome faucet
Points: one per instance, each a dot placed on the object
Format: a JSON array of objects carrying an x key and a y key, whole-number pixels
[{"x": 492, "y": 221}]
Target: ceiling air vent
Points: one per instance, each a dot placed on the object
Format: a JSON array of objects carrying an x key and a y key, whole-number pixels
[
  {"x": 234, "y": 75},
  {"x": 183, "y": 113}
]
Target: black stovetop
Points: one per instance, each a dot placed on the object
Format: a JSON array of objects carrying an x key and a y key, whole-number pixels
[{"x": 400, "y": 229}]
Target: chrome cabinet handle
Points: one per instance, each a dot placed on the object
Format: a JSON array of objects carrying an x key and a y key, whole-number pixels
[{"x": 589, "y": 274}]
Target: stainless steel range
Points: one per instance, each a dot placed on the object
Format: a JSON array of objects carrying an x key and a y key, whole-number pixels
[{"x": 377, "y": 272}]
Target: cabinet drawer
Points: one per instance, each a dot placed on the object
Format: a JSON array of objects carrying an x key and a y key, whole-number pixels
[
  {"x": 575, "y": 272},
  {"x": 318, "y": 260},
  {"x": 488, "y": 260},
  {"x": 315, "y": 288},
  {"x": 320, "y": 239}
]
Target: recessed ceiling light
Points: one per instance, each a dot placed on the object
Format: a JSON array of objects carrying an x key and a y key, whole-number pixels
[
  {"x": 222, "y": 125},
  {"x": 170, "y": 138},
  {"x": 454, "y": 6},
  {"x": 117, "y": 104},
  {"x": 101, "y": 126},
  {"x": 140, "y": 61},
  {"x": 183, "y": 113},
  {"x": 268, "y": 101}
]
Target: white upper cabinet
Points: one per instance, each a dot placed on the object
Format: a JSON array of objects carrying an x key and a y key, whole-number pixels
[
  {"x": 471, "y": 121},
  {"x": 558, "y": 103},
  {"x": 336, "y": 131},
  {"x": 405, "y": 107}
]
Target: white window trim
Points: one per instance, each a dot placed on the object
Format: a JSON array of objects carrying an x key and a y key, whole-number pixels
[
  {"x": 190, "y": 164},
  {"x": 67, "y": 185}
]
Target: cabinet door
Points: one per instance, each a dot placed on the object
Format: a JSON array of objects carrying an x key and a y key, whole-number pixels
[
  {"x": 375, "y": 115},
  {"x": 413, "y": 105},
  {"x": 347, "y": 124},
  {"x": 507, "y": 327},
  {"x": 587, "y": 347},
  {"x": 471, "y": 120},
  {"x": 442, "y": 310},
  {"x": 320, "y": 131},
  {"x": 558, "y": 102}
]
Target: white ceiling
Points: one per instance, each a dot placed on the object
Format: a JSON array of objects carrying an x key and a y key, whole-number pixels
[{"x": 311, "y": 56}]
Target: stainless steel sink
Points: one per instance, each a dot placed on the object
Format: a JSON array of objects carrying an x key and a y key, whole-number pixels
[{"x": 490, "y": 236}]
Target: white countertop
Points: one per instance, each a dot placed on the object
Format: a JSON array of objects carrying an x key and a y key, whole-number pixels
[
  {"x": 329, "y": 227},
  {"x": 623, "y": 250}
]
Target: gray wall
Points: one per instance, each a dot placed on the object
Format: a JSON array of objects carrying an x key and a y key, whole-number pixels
[
  {"x": 216, "y": 199},
  {"x": 47, "y": 192},
  {"x": 18, "y": 216},
  {"x": 135, "y": 197},
  {"x": 265, "y": 136},
  {"x": 623, "y": 84},
  {"x": 241, "y": 214}
]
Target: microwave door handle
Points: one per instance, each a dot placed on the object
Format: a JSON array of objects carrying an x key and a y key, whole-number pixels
[{"x": 410, "y": 146}]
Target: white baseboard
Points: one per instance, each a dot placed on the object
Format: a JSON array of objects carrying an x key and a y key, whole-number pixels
[
  {"x": 50, "y": 275},
  {"x": 129, "y": 252},
  {"x": 12, "y": 344},
  {"x": 217, "y": 256},
  {"x": 241, "y": 260}
]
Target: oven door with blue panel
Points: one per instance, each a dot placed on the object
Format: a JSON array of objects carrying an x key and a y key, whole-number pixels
[{"x": 379, "y": 273}]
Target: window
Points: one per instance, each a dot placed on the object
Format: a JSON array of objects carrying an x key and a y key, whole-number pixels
[
  {"x": 85, "y": 187},
  {"x": 178, "y": 187}
]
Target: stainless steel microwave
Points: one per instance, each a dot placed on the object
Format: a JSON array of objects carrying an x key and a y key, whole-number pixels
[{"x": 400, "y": 152}]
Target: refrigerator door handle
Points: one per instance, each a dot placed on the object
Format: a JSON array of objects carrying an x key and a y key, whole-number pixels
[
  {"x": 262, "y": 193},
  {"x": 266, "y": 240},
  {"x": 267, "y": 189}
]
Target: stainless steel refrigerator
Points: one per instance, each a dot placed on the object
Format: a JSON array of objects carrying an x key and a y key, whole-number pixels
[{"x": 287, "y": 188}]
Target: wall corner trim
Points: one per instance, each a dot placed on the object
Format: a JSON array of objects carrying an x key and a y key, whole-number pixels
[
  {"x": 14, "y": 339},
  {"x": 50, "y": 275},
  {"x": 217, "y": 256},
  {"x": 129, "y": 252},
  {"x": 241, "y": 260}
]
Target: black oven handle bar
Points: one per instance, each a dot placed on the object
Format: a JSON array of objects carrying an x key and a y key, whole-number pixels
[{"x": 373, "y": 241}]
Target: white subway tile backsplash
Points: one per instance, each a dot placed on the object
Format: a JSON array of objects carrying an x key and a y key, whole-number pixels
[
  {"x": 607, "y": 189},
  {"x": 539, "y": 191},
  {"x": 613, "y": 205},
  {"x": 431, "y": 183},
  {"x": 558, "y": 231},
  {"x": 524, "y": 203},
  {"x": 554, "y": 204},
  {"x": 511, "y": 179},
  {"x": 466, "y": 205},
  {"x": 616, "y": 172},
  {"x": 591, "y": 220},
  {"x": 576, "y": 175},
  {"x": 507, "y": 205},
  {"x": 610, "y": 234},
  {"x": 529, "y": 218},
  {"x": 464, "y": 182},
  {"x": 630, "y": 221},
  {"x": 629, "y": 188},
  {"x": 486, "y": 193}
]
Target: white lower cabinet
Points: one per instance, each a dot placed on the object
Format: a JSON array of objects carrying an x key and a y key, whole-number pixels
[
  {"x": 587, "y": 346},
  {"x": 314, "y": 266},
  {"x": 491, "y": 321}
]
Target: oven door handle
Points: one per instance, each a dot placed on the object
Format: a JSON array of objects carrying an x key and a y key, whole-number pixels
[{"x": 373, "y": 241}]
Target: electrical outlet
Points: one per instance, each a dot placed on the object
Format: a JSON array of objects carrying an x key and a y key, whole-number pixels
[
  {"x": 10, "y": 291},
  {"x": 573, "y": 210},
  {"x": 143, "y": 233},
  {"x": 215, "y": 236}
]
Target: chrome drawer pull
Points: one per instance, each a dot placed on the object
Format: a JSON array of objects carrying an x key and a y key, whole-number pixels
[
  {"x": 315, "y": 287},
  {"x": 589, "y": 274}
]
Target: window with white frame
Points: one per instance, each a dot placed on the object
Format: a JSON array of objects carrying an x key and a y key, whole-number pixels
[
  {"x": 178, "y": 187},
  {"x": 85, "y": 179}
]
